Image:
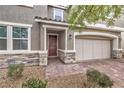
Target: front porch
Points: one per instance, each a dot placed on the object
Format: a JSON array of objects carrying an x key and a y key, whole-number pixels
[{"x": 55, "y": 41}]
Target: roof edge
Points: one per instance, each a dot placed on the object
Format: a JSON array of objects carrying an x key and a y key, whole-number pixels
[
  {"x": 98, "y": 27},
  {"x": 58, "y": 6}
]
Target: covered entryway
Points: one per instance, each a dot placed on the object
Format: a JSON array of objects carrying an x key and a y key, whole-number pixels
[{"x": 87, "y": 49}]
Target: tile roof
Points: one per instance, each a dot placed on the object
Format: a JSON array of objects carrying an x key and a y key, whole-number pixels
[{"x": 49, "y": 19}]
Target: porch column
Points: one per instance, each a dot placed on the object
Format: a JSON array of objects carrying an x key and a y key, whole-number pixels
[
  {"x": 44, "y": 38},
  {"x": 66, "y": 39},
  {"x": 115, "y": 44},
  {"x": 43, "y": 54},
  {"x": 74, "y": 41}
]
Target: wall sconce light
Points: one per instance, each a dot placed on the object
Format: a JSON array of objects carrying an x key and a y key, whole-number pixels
[{"x": 70, "y": 36}]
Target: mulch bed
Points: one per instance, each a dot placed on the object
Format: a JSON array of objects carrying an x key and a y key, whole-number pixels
[
  {"x": 71, "y": 81},
  {"x": 33, "y": 71}
]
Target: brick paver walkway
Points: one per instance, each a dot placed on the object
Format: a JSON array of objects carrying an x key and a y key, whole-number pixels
[{"x": 112, "y": 67}]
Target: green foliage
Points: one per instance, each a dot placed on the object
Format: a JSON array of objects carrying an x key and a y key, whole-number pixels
[
  {"x": 15, "y": 70},
  {"x": 90, "y": 14},
  {"x": 90, "y": 85},
  {"x": 100, "y": 78},
  {"x": 34, "y": 83}
]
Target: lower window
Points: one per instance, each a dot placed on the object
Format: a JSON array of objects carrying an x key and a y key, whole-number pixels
[
  {"x": 3, "y": 38},
  {"x": 20, "y": 38},
  {"x": 20, "y": 44},
  {"x": 3, "y": 45},
  {"x": 13, "y": 38}
]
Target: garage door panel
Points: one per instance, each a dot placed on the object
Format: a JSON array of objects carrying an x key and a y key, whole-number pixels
[
  {"x": 92, "y": 49},
  {"x": 106, "y": 49},
  {"x": 79, "y": 49},
  {"x": 97, "y": 49},
  {"x": 87, "y": 50}
]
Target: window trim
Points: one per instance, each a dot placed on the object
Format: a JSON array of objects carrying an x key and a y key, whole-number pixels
[
  {"x": 10, "y": 38},
  {"x": 54, "y": 13},
  {"x": 3, "y": 37}
]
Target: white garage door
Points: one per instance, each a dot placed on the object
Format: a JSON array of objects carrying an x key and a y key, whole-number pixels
[{"x": 92, "y": 49}]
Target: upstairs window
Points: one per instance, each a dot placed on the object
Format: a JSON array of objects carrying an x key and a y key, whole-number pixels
[
  {"x": 20, "y": 38},
  {"x": 58, "y": 14},
  {"x": 3, "y": 38}
]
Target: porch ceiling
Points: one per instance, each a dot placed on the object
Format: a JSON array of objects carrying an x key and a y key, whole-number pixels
[{"x": 54, "y": 29}]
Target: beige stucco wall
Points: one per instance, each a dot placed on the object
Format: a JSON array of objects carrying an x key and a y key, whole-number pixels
[
  {"x": 122, "y": 41},
  {"x": 61, "y": 40},
  {"x": 40, "y": 10},
  {"x": 70, "y": 40},
  {"x": 50, "y": 12},
  {"x": 103, "y": 31},
  {"x": 35, "y": 36}
]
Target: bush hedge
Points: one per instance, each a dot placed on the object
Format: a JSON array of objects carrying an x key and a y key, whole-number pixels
[
  {"x": 34, "y": 83},
  {"x": 15, "y": 70},
  {"x": 100, "y": 78}
]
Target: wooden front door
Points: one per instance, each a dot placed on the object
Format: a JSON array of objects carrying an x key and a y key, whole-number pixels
[{"x": 52, "y": 49}]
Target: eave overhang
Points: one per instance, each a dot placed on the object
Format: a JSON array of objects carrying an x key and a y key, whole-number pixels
[{"x": 64, "y": 23}]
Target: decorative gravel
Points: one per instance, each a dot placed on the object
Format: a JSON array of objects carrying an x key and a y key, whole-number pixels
[{"x": 33, "y": 71}]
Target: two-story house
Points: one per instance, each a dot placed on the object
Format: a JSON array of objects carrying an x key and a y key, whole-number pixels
[{"x": 32, "y": 34}]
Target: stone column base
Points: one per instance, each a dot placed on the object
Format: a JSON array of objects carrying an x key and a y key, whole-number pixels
[
  {"x": 43, "y": 58},
  {"x": 117, "y": 54},
  {"x": 67, "y": 56}
]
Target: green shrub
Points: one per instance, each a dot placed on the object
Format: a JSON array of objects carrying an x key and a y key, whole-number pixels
[
  {"x": 88, "y": 84},
  {"x": 34, "y": 83},
  {"x": 100, "y": 78},
  {"x": 15, "y": 70}
]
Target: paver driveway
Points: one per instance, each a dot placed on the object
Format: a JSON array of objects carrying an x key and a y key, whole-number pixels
[{"x": 112, "y": 67}]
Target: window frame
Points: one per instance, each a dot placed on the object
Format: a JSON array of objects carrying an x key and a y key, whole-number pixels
[
  {"x": 4, "y": 38},
  {"x": 54, "y": 13},
  {"x": 9, "y": 36},
  {"x": 13, "y": 38}
]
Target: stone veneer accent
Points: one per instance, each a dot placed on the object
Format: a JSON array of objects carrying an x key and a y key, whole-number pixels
[
  {"x": 67, "y": 56},
  {"x": 29, "y": 59},
  {"x": 43, "y": 58},
  {"x": 117, "y": 53}
]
